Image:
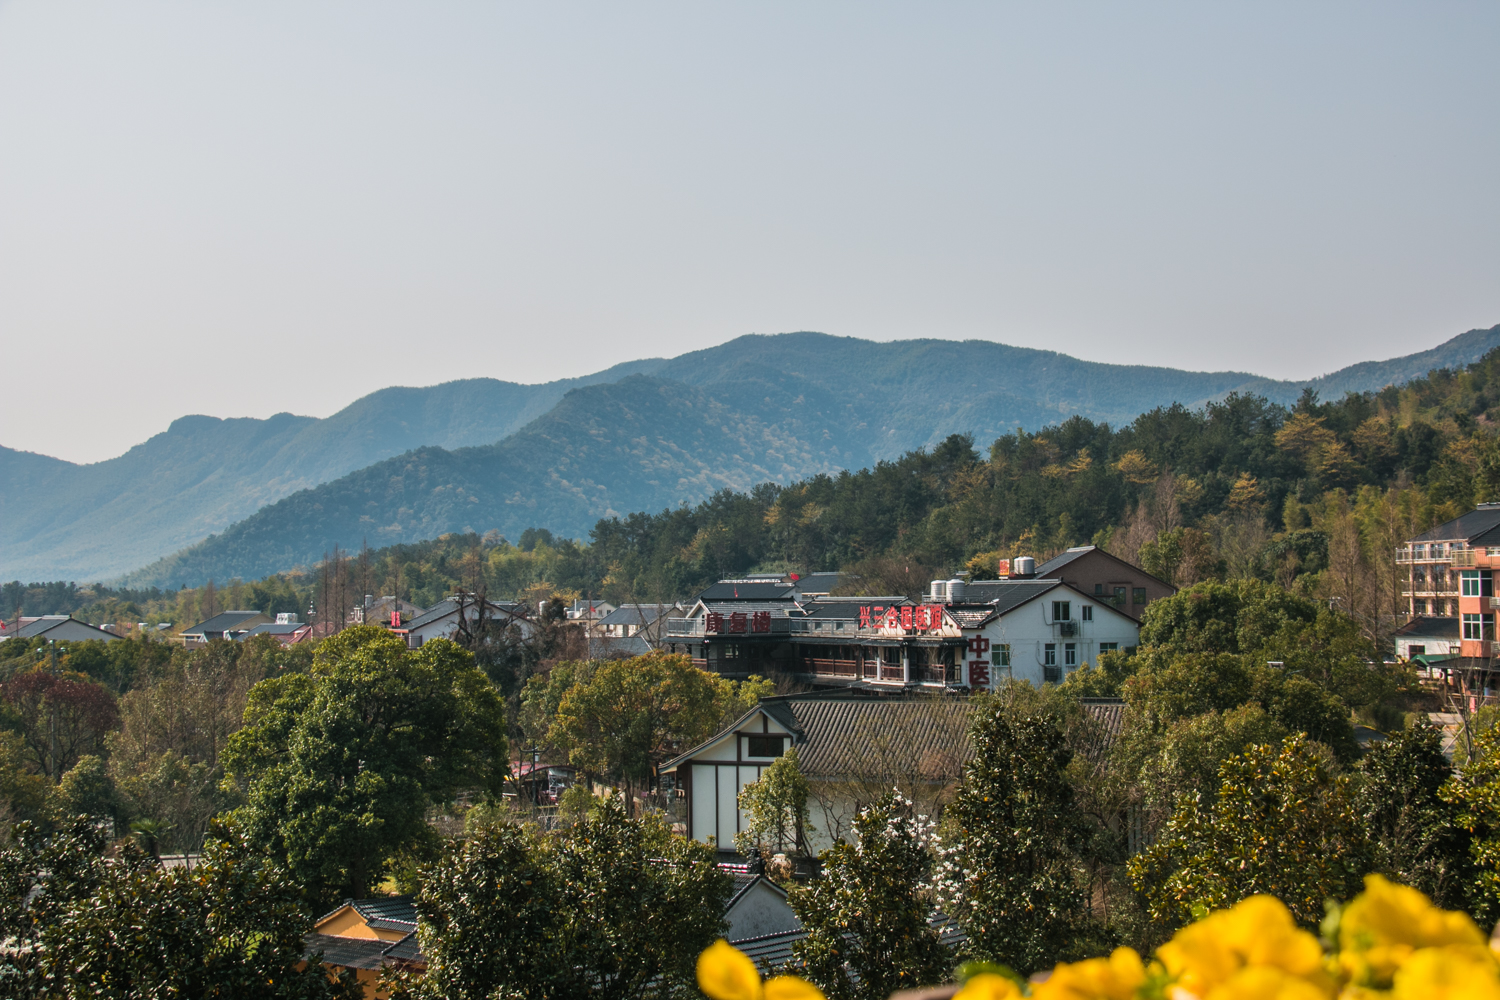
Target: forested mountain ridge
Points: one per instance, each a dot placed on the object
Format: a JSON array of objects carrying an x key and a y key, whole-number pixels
[{"x": 844, "y": 403}]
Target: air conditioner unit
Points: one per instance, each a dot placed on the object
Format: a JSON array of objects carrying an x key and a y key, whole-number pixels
[{"x": 1067, "y": 628}]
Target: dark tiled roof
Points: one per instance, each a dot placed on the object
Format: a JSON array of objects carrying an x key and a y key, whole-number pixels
[
  {"x": 747, "y": 592},
  {"x": 820, "y": 583},
  {"x": 1003, "y": 595},
  {"x": 1464, "y": 527},
  {"x": 448, "y": 606},
  {"x": 275, "y": 628},
  {"x": 639, "y": 614},
  {"x": 848, "y": 607},
  {"x": 349, "y": 953},
  {"x": 778, "y": 609},
  {"x": 1051, "y": 566},
  {"x": 1109, "y": 712},
  {"x": 773, "y": 952},
  {"x": 223, "y": 622},
  {"x": 396, "y": 910},
  {"x": 1430, "y": 628},
  {"x": 839, "y": 734},
  {"x": 30, "y": 630}
]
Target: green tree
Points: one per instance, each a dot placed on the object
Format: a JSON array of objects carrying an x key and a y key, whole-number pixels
[
  {"x": 775, "y": 806},
  {"x": 1009, "y": 872},
  {"x": 85, "y": 925},
  {"x": 1282, "y": 823},
  {"x": 633, "y": 714},
  {"x": 611, "y": 907},
  {"x": 1475, "y": 791},
  {"x": 339, "y": 767},
  {"x": 867, "y": 917},
  {"x": 1415, "y": 834}
]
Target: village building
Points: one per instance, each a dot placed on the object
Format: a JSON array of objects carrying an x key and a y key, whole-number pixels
[
  {"x": 286, "y": 629},
  {"x": 1430, "y": 639},
  {"x": 852, "y": 746},
  {"x": 54, "y": 628},
  {"x": 1105, "y": 577},
  {"x": 367, "y": 935},
  {"x": 441, "y": 620},
  {"x": 224, "y": 625},
  {"x": 963, "y": 635}
]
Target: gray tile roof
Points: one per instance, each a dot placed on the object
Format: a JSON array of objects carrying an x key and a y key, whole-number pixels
[
  {"x": 772, "y": 953},
  {"x": 224, "y": 621},
  {"x": 69, "y": 628},
  {"x": 1051, "y": 566},
  {"x": 447, "y": 606},
  {"x": 729, "y": 591},
  {"x": 273, "y": 628},
  {"x": 1003, "y": 595},
  {"x": 834, "y": 731},
  {"x": 1430, "y": 628},
  {"x": 1464, "y": 527}
]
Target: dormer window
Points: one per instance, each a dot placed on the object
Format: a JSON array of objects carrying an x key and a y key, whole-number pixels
[{"x": 770, "y": 745}]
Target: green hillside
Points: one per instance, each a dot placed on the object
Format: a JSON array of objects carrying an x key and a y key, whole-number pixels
[{"x": 785, "y": 406}]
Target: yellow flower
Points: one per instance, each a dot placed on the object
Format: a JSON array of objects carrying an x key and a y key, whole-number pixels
[
  {"x": 1452, "y": 972},
  {"x": 726, "y": 973},
  {"x": 1258, "y": 931},
  {"x": 1114, "y": 978},
  {"x": 1384, "y": 925},
  {"x": 988, "y": 986},
  {"x": 1264, "y": 982}
]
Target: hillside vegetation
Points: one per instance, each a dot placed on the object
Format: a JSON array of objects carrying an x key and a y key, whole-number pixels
[
  {"x": 759, "y": 408},
  {"x": 1314, "y": 497}
]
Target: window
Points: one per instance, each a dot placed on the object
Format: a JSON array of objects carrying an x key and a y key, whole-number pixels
[
  {"x": 1087, "y": 612},
  {"x": 1070, "y": 654},
  {"x": 765, "y": 746},
  {"x": 1000, "y": 654},
  {"x": 1109, "y": 647},
  {"x": 1415, "y": 651},
  {"x": 1119, "y": 596},
  {"x": 1060, "y": 611},
  {"x": 1138, "y": 595},
  {"x": 1474, "y": 627},
  {"x": 1049, "y": 653},
  {"x": 1470, "y": 582},
  {"x": 1419, "y": 607},
  {"x": 1098, "y": 590}
]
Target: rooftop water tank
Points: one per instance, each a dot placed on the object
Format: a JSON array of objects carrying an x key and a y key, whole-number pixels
[
  {"x": 939, "y": 590},
  {"x": 955, "y": 589},
  {"x": 1023, "y": 566}
]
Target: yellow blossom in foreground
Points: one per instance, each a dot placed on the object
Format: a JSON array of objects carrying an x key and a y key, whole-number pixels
[
  {"x": 1114, "y": 978},
  {"x": 1387, "y": 923},
  {"x": 1258, "y": 931},
  {"x": 1453, "y": 972},
  {"x": 1264, "y": 982},
  {"x": 988, "y": 986},
  {"x": 726, "y": 973}
]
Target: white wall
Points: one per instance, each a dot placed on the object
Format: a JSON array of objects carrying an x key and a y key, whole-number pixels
[{"x": 1028, "y": 629}]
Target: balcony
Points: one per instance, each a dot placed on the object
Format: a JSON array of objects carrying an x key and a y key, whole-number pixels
[
  {"x": 822, "y": 628},
  {"x": 1463, "y": 557}
]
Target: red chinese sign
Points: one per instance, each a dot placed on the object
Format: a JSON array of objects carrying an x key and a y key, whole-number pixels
[
  {"x": 736, "y": 622},
  {"x": 905, "y": 617},
  {"x": 979, "y": 673}
]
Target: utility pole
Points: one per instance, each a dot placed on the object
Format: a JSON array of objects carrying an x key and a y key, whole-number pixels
[{"x": 52, "y": 648}]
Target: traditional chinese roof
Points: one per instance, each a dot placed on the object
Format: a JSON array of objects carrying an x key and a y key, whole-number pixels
[{"x": 834, "y": 730}]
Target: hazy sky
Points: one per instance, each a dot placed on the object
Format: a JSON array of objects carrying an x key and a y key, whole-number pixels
[{"x": 237, "y": 209}]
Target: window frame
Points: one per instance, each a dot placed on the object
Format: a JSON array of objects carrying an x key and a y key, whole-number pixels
[
  {"x": 1049, "y": 654},
  {"x": 763, "y": 738}
]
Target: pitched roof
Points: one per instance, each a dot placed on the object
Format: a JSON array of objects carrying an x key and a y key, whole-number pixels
[
  {"x": 388, "y": 912},
  {"x": 224, "y": 621},
  {"x": 729, "y": 590},
  {"x": 1466, "y": 526},
  {"x": 1003, "y": 595},
  {"x": 442, "y": 609},
  {"x": 48, "y": 623},
  {"x": 1430, "y": 628},
  {"x": 772, "y": 952},
  {"x": 638, "y": 614},
  {"x": 1052, "y": 566},
  {"x": 834, "y": 731},
  {"x": 276, "y": 628}
]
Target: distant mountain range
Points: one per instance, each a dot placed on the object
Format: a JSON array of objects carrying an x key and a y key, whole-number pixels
[{"x": 403, "y": 463}]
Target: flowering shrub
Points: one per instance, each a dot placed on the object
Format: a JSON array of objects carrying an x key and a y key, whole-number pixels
[{"x": 1390, "y": 942}]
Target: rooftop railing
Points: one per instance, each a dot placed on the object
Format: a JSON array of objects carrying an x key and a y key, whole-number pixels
[{"x": 832, "y": 628}]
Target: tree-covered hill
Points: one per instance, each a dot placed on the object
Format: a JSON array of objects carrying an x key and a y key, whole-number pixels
[{"x": 789, "y": 406}]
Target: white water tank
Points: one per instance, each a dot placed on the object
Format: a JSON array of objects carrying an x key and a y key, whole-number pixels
[
  {"x": 956, "y": 589},
  {"x": 939, "y": 590},
  {"x": 1023, "y": 566}
]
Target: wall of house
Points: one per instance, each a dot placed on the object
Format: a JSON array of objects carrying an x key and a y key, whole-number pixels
[
  {"x": 718, "y": 773},
  {"x": 1024, "y": 634},
  {"x": 1097, "y": 574}
]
